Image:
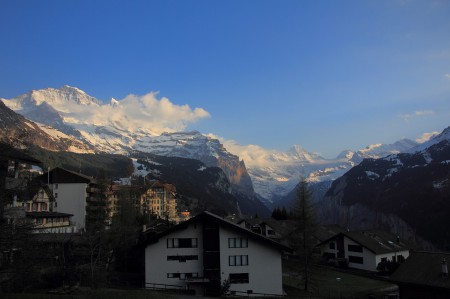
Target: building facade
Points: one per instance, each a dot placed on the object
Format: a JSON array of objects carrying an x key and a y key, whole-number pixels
[
  {"x": 160, "y": 200},
  {"x": 424, "y": 275},
  {"x": 76, "y": 194},
  {"x": 365, "y": 250},
  {"x": 205, "y": 251},
  {"x": 39, "y": 209}
]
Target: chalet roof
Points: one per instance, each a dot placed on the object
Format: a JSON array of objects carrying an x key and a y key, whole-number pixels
[
  {"x": 29, "y": 190},
  {"x": 325, "y": 232},
  {"x": 212, "y": 218},
  {"x": 377, "y": 241},
  {"x": 63, "y": 176},
  {"x": 282, "y": 227},
  {"x": 159, "y": 184},
  {"x": 423, "y": 269},
  {"x": 10, "y": 153}
]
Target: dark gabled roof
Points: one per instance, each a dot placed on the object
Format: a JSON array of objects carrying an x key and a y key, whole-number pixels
[
  {"x": 423, "y": 269},
  {"x": 47, "y": 214},
  {"x": 210, "y": 217},
  {"x": 377, "y": 241},
  {"x": 10, "y": 153},
  {"x": 63, "y": 176},
  {"x": 325, "y": 232}
]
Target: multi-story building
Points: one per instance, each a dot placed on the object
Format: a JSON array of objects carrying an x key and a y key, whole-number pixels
[
  {"x": 15, "y": 175},
  {"x": 117, "y": 195},
  {"x": 160, "y": 200},
  {"x": 39, "y": 209},
  {"x": 365, "y": 250},
  {"x": 205, "y": 251},
  {"x": 77, "y": 194}
]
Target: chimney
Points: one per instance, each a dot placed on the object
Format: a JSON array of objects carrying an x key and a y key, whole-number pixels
[{"x": 444, "y": 269}]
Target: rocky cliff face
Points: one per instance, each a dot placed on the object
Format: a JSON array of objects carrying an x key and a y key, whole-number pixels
[
  {"x": 405, "y": 192},
  {"x": 20, "y": 132},
  {"x": 79, "y": 116}
]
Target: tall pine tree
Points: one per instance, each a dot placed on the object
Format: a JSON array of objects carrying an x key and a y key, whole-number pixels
[{"x": 305, "y": 226}]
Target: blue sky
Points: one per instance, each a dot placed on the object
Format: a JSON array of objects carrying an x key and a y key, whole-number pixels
[{"x": 327, "y": 75}]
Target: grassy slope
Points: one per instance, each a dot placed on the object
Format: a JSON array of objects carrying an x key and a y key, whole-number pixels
[{"x": 324, "y": 282}]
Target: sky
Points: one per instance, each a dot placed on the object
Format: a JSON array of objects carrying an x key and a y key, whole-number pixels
[{"x": 326, "y": 75}]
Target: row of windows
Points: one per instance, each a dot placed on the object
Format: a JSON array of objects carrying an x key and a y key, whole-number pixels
[
  {"x": 355, "y": 248},
  {"x": 238, "y": 260},
  {"x": 237, "y": 242},
  {"x": 51, "y": 220},
  {"x": 352, "y": 248},
  {"x": 239, "y": 278},
  {"x": 182, "y": 242},
  {"x": 181, "y": 275},
  {"x": 234, "y": 277},
  {"x": 37, "y": 207},
  {"x": 182, "y": 258},
  {"x": 356, "y": 259}
]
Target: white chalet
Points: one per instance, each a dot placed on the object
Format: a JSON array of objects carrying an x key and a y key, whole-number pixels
[
  {"x": 206, "y": 250},
  {"x": 365, "y": 249}
]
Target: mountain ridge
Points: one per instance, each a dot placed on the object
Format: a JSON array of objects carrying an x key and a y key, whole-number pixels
[{"x": 110, "y": 130}]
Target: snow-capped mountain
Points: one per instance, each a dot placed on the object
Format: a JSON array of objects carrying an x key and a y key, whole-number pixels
[
  {"x": 128, "y": 125},
  {"x": 275, "y": 174},
  {"x": 133, "y": 124},
  {"x": 18, "y": 131},
  {"x": 405, "y": 187}
]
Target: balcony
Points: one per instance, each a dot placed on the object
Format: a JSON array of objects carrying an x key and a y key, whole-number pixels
[{"x": 91, "y": 189}]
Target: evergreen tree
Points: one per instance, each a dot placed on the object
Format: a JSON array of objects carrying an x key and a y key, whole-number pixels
[{"x": 305, "y": 225}]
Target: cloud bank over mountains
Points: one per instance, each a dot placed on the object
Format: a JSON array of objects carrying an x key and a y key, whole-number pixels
[
  {"x": 131, "y": 114},
  {"x": 157, "y": 115}
]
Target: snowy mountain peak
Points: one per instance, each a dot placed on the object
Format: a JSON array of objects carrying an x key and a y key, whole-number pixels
[
  {"x": 345, "y": 154},
  {"x": 62, "y": 99},
  {"x": 445, "y": 135},
  {"x": 299, "y": 153},
  {"x": 114, "y": 102}
]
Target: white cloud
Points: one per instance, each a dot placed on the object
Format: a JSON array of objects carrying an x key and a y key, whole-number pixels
[
  {"x": 447, "y": 76},
  {"x": 253, "y": 155},
  {"x": 426, "y": 136},
  {"x": 409, "y": 116},
  {"x": 145, "y": 112}
]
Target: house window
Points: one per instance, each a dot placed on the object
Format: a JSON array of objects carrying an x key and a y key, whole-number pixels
[
  {"x": 238, "y": 260},
  {"x": 38, "y": 220},
  {"x": 182, "y": 258},
  {"x": 44, "y": 206},
  {"x": 237, "y": 242},
  {"x": 239, "y": 278},
  {"x": 332, "y": 245},
  {"x": 356, "y": 259},
  {"x": 35, "y": 207},
  {"x": 182, "y": 275},
  {"x": 182, "y": 243},
  {"x": 355, "y": 248},
  {"x": 56, "y": 195}
]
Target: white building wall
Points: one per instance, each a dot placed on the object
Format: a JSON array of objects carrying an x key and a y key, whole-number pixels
[
  {"x": 367, "y": 255},
  {"x": 157, "y": 266},
  {"x": 71, "y": 199},
  {"x": 264, "y": 265}
]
